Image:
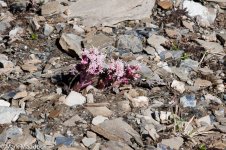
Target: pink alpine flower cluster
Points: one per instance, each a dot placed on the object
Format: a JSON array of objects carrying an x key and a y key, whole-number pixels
[{"x": 93, "y": 68}]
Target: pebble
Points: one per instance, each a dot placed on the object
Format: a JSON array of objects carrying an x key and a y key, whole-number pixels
[
  {"x": 98, "y": 119},
  {"x": 74, "y": 99},
  {"x": 48, "y": 29},
  {"x": 178, "y": 86},
  {"x": 88, "y": 141}
]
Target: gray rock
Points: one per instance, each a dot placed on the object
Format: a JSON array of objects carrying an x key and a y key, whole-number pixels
[
  {"x": 99, "y": 40},
  {"x": 51, "y": 8},
  {"x": 88, "y": 141},
  {"x": 150, "y": 50},
  {"x": 72, "y": 121},
  {"x": 9, "y": 114},
  {"x": 103, "y": 111},
  {"x": 48, "y": 29},
  {"x": 222, "y": 38},
  {"x": 174, "y": 143},
  {"x": 188, "y": 101},
  {"x": 221, "y": 128},
  {"x": 130, "y": 42},
  {"x": 14, "y": 132},
  {"x": 39, "y": 135},
  {"x": 108, "y": 12},
  {"x": 181, "y": 73},
  {"x": 64, "y": 140},
  {"x": 114, "y": 145},
  {"x": 189, "y": 64},
  {"x": 117, "y": 130},
  {"x": 211, "y": 47},
  {"x": 205, "y": 121},
  {"x": 156, "y": 41},
  {"x": 71, "y": 43}
]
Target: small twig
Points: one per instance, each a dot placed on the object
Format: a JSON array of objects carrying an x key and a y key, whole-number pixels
[
  {"x": 185, "y": 129},
  {"x": 204, "y": 55}
]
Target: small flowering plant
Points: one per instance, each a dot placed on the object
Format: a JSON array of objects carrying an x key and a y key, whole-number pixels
[{"x": 93, "y": 68}]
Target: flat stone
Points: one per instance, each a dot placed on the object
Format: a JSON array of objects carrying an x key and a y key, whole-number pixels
[
  {"x": 74, "y": 98},
  {"x": 64, "y": 140},
  {"x": 221, "y": 128},
  {"x": 140, "y": 101},
  {"x": 115, "y": 145},
  {"x": 102, "y": 111},
  {"x": 202, "y": 83},
  {"x": 6, "y": 64},
  {"x": 9, "y": 114},
  {"x": 174, "y": 143},
  {"x": 4, "y": 103},
  {"x": 71, "y": 43},
  {"x": 211, "y": 47},
  {"x": 99, "y": 40},
  {"x": 29, "y": 67},
  {"x": 150, "y": 50},
  {"x": 117, "y": 130},
  {"x": 181, "y": 73},
  {"x": 88, "y": 141},
  {"x": 124, "y": 106},
  {"x": 98, "y": 119},
  {"x": 206, "y": 120},
  {"x": 212, "y": 98},
  {"x": 51, "y": 8},
  {"x": 179, "y": 86},
  {"x": 156, "y": 41},
  {"x": 73, "y": 120},
  {"x": 21, "y": 94},
  {"x": 48, "y": 29},
  {"x": 189, "y": 64},
  {"x": 108, "y": 12},
  {"x": 130, "y": 42},
  {"x": 173, "y": 33},
  {"x": 39, "y": 135}
]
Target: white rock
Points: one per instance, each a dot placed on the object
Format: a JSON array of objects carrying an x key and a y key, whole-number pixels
[
  {"x": 88, "y": 141},
  {"x": 206, "y": 15},
  {"x": 90, "y": 98},
  {"x": 9, "y": 114},
  {"x": 164, "y": 116},
  {"x": 6, "y": 64},
  {"x": 4, "y": 103},
  {"x": 99, "y": 119},
  {"x": 179, "y": 86},
  {"x": 3, "y": 4},
  {"x": 16, "y": 32},
  {"x": 74, "y": 98},
  {"x": 140, "y": 101}
]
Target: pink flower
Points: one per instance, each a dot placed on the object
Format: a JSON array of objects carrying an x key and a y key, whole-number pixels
[
  {"x": 117, "y": 67},
  {"x": 96, "y": 60}
]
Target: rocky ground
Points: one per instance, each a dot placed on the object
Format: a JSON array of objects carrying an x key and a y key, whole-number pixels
[{"x": 178, "y": 103}]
